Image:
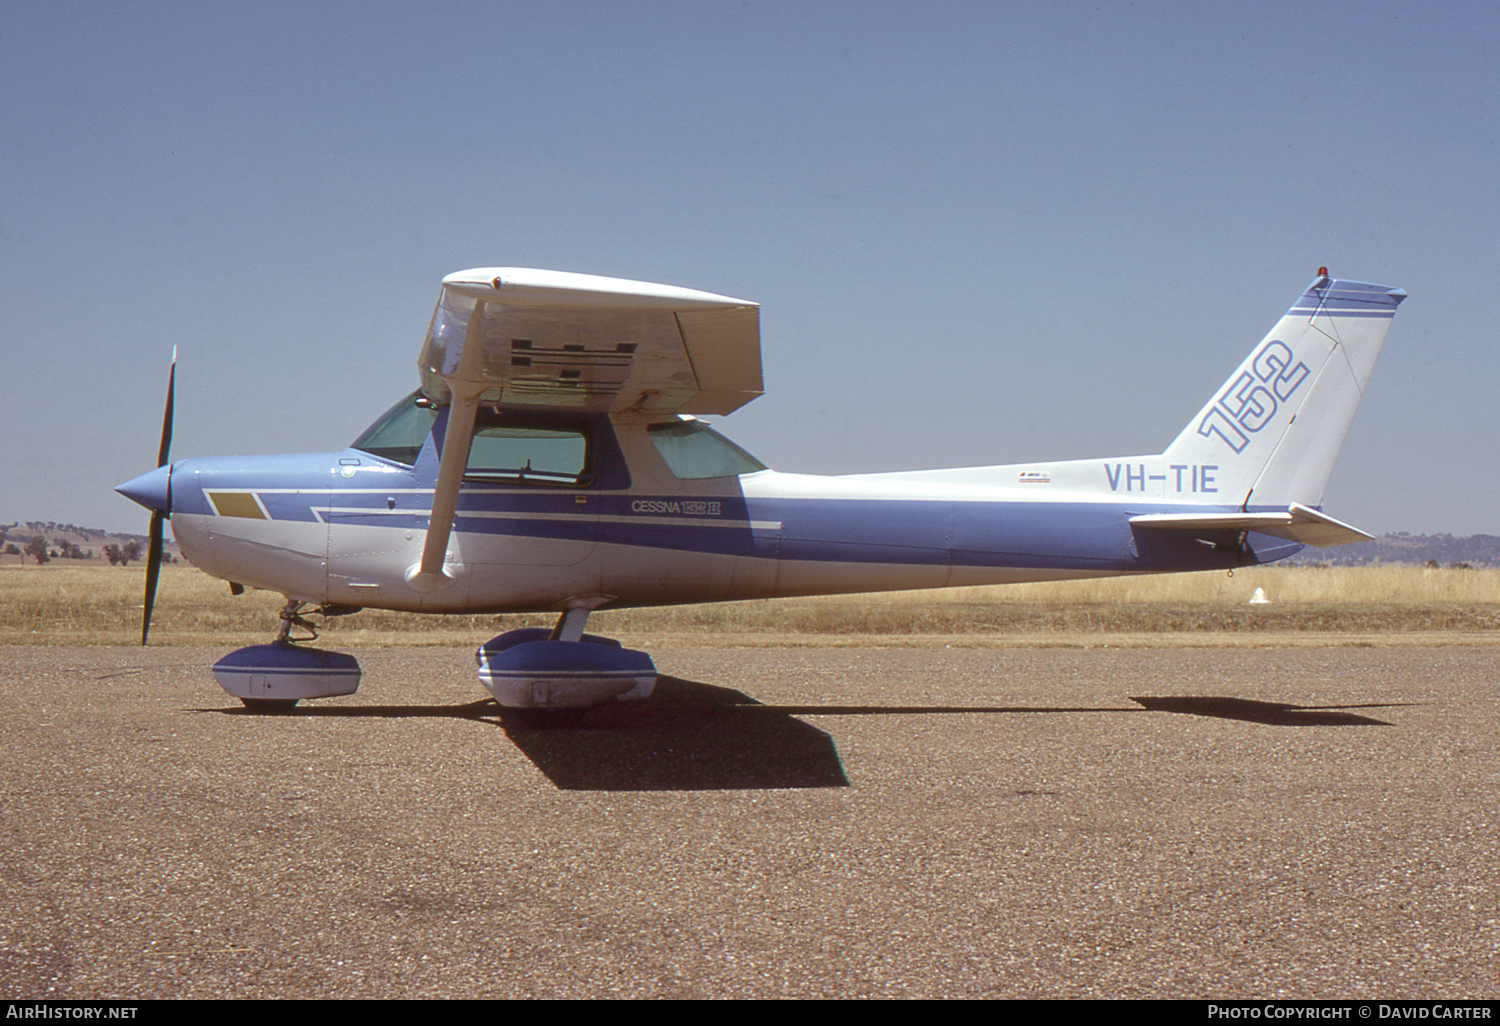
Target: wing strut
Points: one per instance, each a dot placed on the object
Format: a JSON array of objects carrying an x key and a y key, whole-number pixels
[{"x": 465, "y": 385}]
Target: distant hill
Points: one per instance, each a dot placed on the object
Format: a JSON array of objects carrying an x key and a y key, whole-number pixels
[
  {"x": 1477, "y": 550},
  {"x": 89, "y": 541}
]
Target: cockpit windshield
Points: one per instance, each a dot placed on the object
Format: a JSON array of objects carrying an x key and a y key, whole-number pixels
[{"x": 400, "y": 432}]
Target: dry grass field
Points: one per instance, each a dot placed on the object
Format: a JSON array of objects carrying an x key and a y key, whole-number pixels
[{"x": 1384, "y": 605}]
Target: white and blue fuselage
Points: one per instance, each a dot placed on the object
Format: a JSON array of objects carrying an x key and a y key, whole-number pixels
[{"x": 344, "y": 528}]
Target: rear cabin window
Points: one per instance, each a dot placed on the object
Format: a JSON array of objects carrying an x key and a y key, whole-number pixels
[
  {"x": 507, "y": 447},
  {"x": 693, "y": 450}
]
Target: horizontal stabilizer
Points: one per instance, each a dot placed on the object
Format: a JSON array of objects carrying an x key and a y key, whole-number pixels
[{"x": 1299, "y": 524}]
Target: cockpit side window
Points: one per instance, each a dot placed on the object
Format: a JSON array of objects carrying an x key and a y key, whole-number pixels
[
  {"x": 510, "y": 449},
  {"x": 507, "y": 447},
  {"x": 693, "y": 450}
]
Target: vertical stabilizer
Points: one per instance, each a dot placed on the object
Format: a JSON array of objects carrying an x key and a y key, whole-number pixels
[{"x": 1273, "y": 430}]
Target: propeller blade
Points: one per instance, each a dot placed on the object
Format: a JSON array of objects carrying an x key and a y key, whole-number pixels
[
  {"x": 153, "y": 550},
  {"x": 153, "y": 571},
  {"x": 166, "y": 417}
]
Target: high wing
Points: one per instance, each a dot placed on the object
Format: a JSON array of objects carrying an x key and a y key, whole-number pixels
[
  {"x": 1299, "y": 524},
  {"x": 578, "y": 343},
  {"x": 550, "y": 340}
]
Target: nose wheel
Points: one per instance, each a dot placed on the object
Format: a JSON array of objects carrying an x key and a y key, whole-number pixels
[
  {"x": 273, "y": 678},
  {"x": 269, "y": 706}
]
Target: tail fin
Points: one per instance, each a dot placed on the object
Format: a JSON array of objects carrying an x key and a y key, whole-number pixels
[{"x": 1271, "y": 433}]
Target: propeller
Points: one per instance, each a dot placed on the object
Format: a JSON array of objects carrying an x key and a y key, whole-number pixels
[{"x": 153, "y": 551}]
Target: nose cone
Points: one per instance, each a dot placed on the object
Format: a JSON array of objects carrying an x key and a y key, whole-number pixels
[{"x": 151, "y": 489}]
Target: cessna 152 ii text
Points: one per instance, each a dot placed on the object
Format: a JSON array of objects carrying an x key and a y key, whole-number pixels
[{"x": 550, "y": 460}]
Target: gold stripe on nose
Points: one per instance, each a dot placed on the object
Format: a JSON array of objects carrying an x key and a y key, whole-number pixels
[{"x": 237, "y": 504}]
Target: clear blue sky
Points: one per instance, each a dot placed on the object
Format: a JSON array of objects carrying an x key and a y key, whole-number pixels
[{"x": 979, "y": 232}]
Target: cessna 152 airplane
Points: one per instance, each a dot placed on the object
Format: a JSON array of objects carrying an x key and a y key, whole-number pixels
[{"x": 551, "y": 461}]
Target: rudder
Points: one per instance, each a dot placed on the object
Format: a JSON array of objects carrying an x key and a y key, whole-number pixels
[{"x": 1273, "y": 431}]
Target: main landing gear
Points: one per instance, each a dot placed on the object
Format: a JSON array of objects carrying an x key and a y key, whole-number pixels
[
  {"x": 532, "y": 668},
  {"x": 550, "y": 676}
]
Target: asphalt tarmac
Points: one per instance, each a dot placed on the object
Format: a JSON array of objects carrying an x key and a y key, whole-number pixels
[{"x": 1270, "y": 823}]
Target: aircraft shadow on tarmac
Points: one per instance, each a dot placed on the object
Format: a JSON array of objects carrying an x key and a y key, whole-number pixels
[
  {"x": 1278, "y": 714},
  {"x": 688, "y": 736},
  {"x": 692, "y": 736}
]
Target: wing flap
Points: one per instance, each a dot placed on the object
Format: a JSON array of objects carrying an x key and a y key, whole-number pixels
[
  {"x": 1299, "y": 524},
  {"x": 551, "y": 340}
]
